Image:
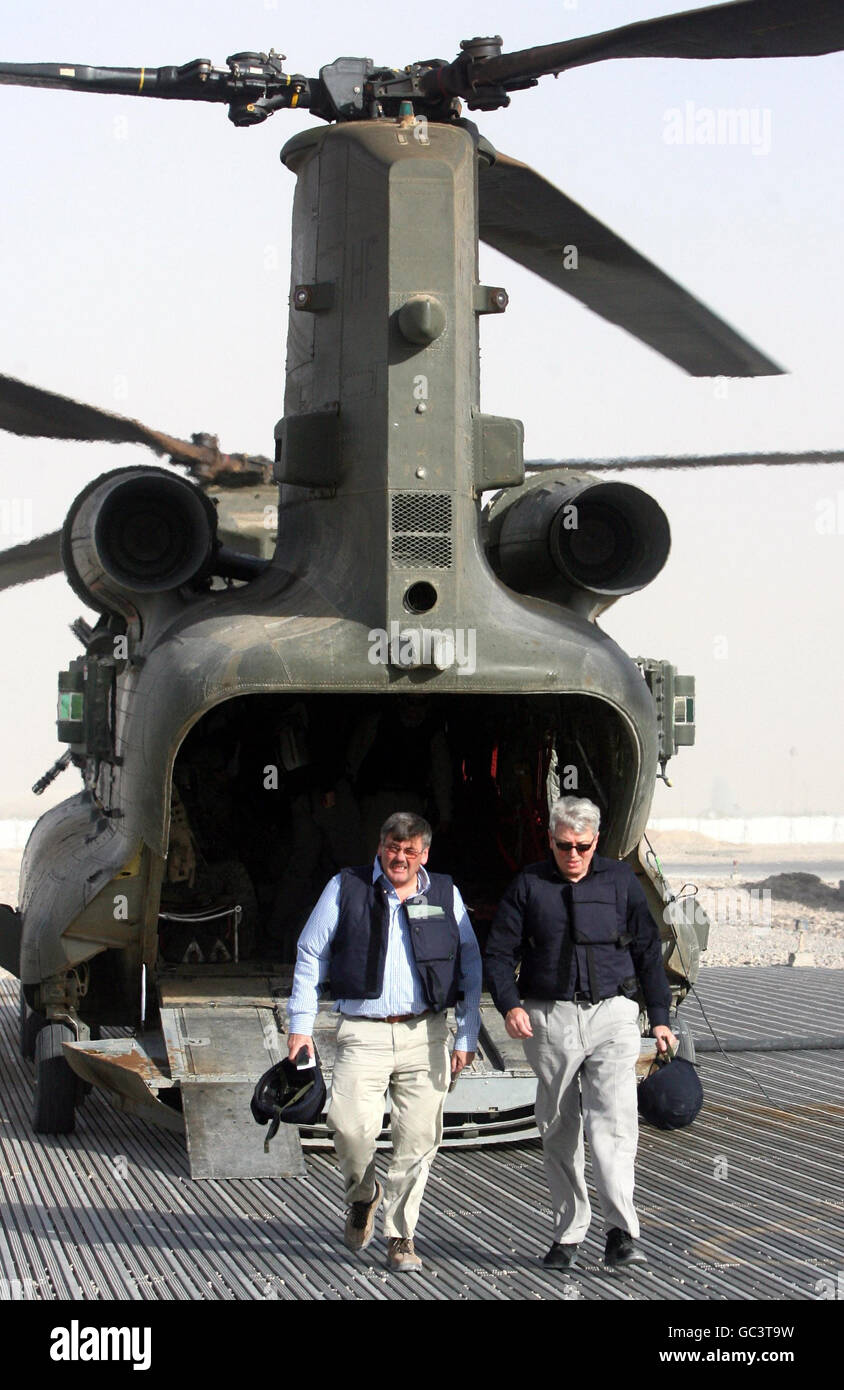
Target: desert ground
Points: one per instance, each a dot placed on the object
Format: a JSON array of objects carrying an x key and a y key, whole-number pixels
[{"x": 782, "y": 908}]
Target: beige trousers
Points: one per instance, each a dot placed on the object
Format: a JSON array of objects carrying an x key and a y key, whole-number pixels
[
  {"x": 587, "y": 1050},
  {"x": 411, "y": 1061}
]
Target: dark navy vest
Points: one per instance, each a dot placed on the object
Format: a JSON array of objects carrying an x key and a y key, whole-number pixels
[
  {"x": 588, "y": 918},
  {"x": 359, "y": 947}
]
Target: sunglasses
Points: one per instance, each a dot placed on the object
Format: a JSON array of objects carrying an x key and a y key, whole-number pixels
[
  {"x": 409, "y": 854},
  {"x": 566, "y": 847}
]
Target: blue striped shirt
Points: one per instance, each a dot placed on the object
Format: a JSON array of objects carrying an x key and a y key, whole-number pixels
[{"x": 402, "y": 992}]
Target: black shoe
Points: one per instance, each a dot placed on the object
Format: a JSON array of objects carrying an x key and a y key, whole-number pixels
[
  {"x": 621, "y": 1249},
  {"x": 560, "y": 1256}
]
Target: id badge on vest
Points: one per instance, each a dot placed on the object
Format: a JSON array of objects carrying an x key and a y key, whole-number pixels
[{"x": 424, "y": 912}]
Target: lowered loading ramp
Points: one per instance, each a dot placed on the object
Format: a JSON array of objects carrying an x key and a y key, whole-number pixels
[
  {"x": 222, "y": 1026},
  {"x": 220, "y": 1030},
  {"x": 220, "y": 1036}
]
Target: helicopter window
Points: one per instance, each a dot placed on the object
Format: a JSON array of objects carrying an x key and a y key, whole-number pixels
[{"x": 70, "y": 705}]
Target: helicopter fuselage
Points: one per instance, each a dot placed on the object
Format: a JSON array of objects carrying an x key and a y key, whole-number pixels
[{"x": 380, "y": 585}]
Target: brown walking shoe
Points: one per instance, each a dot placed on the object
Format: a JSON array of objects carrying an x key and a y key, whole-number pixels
[
  {"x": 360, "y": 1221},
  {"x": 401, "y": 1255}
]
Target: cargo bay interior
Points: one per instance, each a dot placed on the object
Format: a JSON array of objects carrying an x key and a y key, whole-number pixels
[{"x": 273, "y": 794}]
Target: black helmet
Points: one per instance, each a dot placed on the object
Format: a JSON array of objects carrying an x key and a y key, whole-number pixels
[
  {"x": 671, "y": 1094},
  {"x": 291, "y": 1092}
]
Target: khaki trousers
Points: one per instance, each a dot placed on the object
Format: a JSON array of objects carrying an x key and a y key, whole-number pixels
[
  {"x": 411, "y": 1061},
  {"x": 588, "y": 1049}
]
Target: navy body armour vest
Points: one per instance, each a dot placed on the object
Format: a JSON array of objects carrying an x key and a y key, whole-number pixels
[
  {"x": 359, "y": 948},
  {"x": 589, "y": 916}
]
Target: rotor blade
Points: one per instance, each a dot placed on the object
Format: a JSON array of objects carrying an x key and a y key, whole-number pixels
[
  {"x": 739, "y": 29},
  {"x": 253, "y": 85},
  {"x": 687, "y": 461},
  {"x": 195, "y": 81},
  {"x": 27, "y": 410},
  {"x": 33, "y": 560},
  {"x": 534, "y": 223}
]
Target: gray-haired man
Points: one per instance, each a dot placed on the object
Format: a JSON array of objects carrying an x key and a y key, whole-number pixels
[
  {"x": 397, "y": 949},
  {"x": 581, "y": 927}
]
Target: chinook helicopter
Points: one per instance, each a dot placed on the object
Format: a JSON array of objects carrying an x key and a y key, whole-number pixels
[{"x": 231, "y": 710}]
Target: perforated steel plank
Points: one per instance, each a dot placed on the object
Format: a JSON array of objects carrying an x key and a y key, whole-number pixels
[{"x": 746, "y": 1204}]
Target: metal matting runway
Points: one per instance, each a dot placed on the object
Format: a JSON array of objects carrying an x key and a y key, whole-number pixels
[{"x": 746, "y": 1204}]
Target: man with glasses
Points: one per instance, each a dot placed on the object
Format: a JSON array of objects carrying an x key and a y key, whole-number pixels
[
  {"x": 582, "y": 929},
  {"x": 395, "y": 947}
]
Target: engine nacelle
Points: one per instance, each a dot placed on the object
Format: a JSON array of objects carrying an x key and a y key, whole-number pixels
[
  {"x": 574, "y": 539},
  {"x": 137, "y": 531}
]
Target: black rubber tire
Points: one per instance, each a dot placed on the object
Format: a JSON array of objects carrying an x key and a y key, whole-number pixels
[
  {"x": 56, "y": 1086},
  {"x": 30, "y": 1025}
]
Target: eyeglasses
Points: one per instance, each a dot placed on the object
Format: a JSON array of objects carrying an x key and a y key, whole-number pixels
[
  {"x": 410, "y": 854},
  {"x": 566, "y": 847}
]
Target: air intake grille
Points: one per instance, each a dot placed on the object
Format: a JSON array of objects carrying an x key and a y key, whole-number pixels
[{"x": 421, "y": 526}]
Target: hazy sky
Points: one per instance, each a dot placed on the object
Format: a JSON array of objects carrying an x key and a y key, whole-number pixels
[{"x": 145, "y": 269}]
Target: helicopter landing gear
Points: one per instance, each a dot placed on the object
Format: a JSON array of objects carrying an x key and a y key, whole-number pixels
[
  {"x": 30, "y": 1023},
  {"x": 57, "y": 1088}
]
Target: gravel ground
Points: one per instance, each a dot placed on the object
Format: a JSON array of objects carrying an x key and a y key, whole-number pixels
[
  {"x": 755, "y": 919},
  {"x": 749, "y": 928}
]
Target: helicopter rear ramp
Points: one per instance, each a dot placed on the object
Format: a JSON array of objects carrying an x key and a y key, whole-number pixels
[
  {"x": 222, "y": 1026},
  {"x": 221, "y": 1035},
  {"x": 218, "y": 1033}
]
